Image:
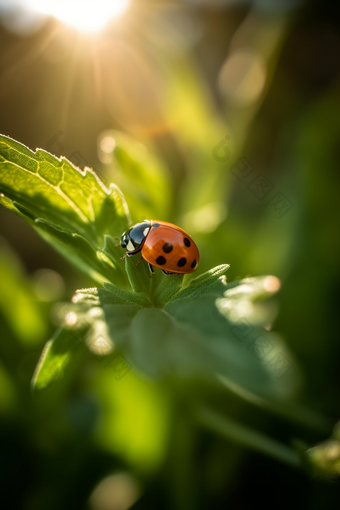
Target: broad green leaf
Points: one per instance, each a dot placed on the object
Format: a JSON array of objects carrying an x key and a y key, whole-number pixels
[
  {"x": 71, "y": 208},
  {"x": 236, "y": 325},
  {"x": 162, "y": 345},
  {"x": 57, "y": 191},
  {"x": 110, "y": 307},
  {"x": 157, "y": 348},
  {"x": 72, "y": 246},
  {"x": 97, "y": 263},
  {"x": 119, "y": 319},
  {"x": 194, "y": 337}
]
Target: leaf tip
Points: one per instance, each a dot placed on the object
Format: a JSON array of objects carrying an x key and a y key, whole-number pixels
[{"x": 36, "y": 384}]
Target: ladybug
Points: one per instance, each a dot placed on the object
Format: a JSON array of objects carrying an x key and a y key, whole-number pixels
[{"x": 162, "y": 245}]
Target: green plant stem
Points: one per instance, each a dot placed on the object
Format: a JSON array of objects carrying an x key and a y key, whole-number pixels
[
  {"x": 291, "y": 411},
  {"x": 244, "y": 436}
]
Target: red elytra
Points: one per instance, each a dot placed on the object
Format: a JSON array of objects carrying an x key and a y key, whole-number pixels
[{"x": 171, "y": 248}]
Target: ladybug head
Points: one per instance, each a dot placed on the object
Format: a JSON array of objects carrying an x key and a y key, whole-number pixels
[{"x": 134, "y": 238}]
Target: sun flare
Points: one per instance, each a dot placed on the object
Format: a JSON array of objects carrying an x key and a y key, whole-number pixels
[{"x": 85, "y": 15}]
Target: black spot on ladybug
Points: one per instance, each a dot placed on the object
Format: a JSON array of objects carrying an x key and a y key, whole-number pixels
[
  {"x": 154, "y": 225},
  {"x": 167, "y": 247},
  {"x": 161, "y": 260},
  {"x": 187, "y": 242},
  {"x": 182, "y": 262},
  {"x": 193, "y": 263}
]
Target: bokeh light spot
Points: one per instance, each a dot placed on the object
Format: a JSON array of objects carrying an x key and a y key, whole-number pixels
[
  {"x": 48, "y": 285},
  {"x": 242, "y": 78},
  {"x": 71, "y": 318},
  {"x": 272, "y": 284},
  {"x": 116, "y": 492},
  {"x": 207, "y": 218}
]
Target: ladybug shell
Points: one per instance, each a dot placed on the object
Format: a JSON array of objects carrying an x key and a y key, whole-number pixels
[{"x": 170, "y": 248}]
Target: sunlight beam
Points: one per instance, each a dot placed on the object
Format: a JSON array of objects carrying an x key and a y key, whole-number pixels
[{"x": 85, "y": 15}]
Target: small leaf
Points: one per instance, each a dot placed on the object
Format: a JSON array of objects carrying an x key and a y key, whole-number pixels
[
  {"x": 213, "y": 281},
  {"x": 168, "y": 287},
  {"x": 138, "y": 274},
  {"x": 89, "y": 297},
  {"x": 56, "y": 356},
  {"x": 111, "y": 294}
]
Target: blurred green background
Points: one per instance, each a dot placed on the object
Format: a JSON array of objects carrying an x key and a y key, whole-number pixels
[{"x": 145, "y": 102}]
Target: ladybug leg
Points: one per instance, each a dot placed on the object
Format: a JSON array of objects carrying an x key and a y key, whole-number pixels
[
  {"x": 167, "y": 273},
  {"x": 127, "y": 254},
  {"x": 151, "y": 269},
  {"x": 140, "y": 260},
  {"x": 131, "y": 254}
]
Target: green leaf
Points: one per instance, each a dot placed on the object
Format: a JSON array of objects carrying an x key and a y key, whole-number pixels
[
  {"x": 167, "y": 288},
  {"x": 87, "y": 297},
  {"x": 141, "y": 175},
  {"x": 156, "y": 347},
  {"x": 111, "y": 294},
  {"x": 162, "y": 346},
  {"x": 71, "y": 208},
  {"x": 119, "y": 319},
  {"x": 194, "y": 337},
  {"x": 159, "y": 287},
  {"x": 211, "y": 282},
  {"x": 17, "y": 299},
  {"x": 56, "y": 357},
  {"x": 238, "y": 325},
  {"x": 78, "y": 250},
  {"x": 138, "y": 274}
]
